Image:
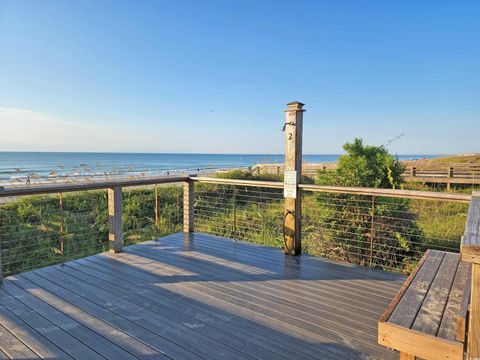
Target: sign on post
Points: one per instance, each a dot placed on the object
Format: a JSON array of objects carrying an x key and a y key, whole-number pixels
[{"x": 290, "y": 184}]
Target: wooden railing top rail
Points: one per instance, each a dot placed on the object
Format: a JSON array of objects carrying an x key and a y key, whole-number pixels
[
  {"x": 412, "y": 194},
  {"x": 470, "y": 245},
  {"x": 95, "y": 185},
  {"x": 91, "y": 185},
  {"x": 473, "y": 165},
  {"x": 265, "y": 184}
]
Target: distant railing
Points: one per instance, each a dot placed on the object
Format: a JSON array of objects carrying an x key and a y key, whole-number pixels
[
  {"x": 381, "y": 228},
  {"x": 449, "y": 173},
  {"x": 308, "y": 169}
]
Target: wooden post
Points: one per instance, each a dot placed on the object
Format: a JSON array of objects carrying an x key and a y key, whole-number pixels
[
  {"x": 473, "y": 346},
  {"x": 372, "y": 229},
  {"x": 62, "y": 229},
  {"x": 1, "y": 272},
  {"x": 405, "y": 356},
  {"x": 115, "y": 210},
  {"x": 449, "y": 176},
  {"x": 470, "y": 251},
  {"x": 156, "y": 207},
  {"x": 188, "y": 197},
  {"x": 292, "y": 178},
  {"x": 414, "y": 172},
  {"x": 234, "y": 213}
]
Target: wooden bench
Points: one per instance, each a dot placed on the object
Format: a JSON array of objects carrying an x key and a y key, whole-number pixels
[{"x": 428, "y": 316}]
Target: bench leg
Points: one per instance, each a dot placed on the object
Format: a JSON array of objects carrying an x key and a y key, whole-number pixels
[{"x": 406, "y": 356}]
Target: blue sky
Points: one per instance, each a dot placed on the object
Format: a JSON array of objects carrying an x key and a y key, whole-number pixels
[{"x": 214, "y": 76}]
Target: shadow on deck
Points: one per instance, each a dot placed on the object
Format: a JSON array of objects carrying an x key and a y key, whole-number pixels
[{"x": 195, "y": 297}]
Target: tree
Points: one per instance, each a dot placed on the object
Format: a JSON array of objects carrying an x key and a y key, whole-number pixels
[{"x": 366, "y": 166}]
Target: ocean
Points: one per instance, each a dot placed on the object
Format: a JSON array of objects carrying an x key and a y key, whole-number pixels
[{"x": 28, "y": 167}]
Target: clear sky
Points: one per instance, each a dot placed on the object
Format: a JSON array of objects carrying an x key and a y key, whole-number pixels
[{"x": 214, "y": 76}]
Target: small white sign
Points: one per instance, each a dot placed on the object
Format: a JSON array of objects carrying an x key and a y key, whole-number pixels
[
  {"x": 290, "y": 184},
  {"x": 289, "y": 191},
  {"x": 290, "y": 177}
]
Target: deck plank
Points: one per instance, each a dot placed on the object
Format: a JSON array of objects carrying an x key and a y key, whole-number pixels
[
  {"x": 268, "y": 291},
  {"x": 309, "y": 269},
  {"x": 13, "y": 347},
  {"x": 186, "y": 315},
  {"x": 230, "y": 303},
  {"x": 55, "y": 332},
  {"x": 274, "y": 341},
  {"x": 251, "y": 311},
  {"x": 41, "y": 346},
  {"x": 316, "y": 326},
  {"x": 190, "y": 337},
  {"x": 197, "y": 297},
  {"x": 238, "y": 285},
  {"x": 115, "y": 328}
]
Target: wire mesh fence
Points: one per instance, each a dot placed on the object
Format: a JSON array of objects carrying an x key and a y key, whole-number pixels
[
  {"x": 379, "y": 232},
  {"x": 252, "y": 214}
]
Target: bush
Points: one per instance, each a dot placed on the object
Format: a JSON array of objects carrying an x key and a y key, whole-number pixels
[
  {"x": 357, "y": 228},
  {"x": 365, "y": 166}
]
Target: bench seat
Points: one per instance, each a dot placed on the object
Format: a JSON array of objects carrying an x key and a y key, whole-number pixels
[{"x": 427, "y": 317}]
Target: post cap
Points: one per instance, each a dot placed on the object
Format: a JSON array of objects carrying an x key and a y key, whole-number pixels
[{"x": 295, "y": 105}]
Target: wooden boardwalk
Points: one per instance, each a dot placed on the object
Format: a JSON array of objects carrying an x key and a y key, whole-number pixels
[{"x": 195, "y": 297}]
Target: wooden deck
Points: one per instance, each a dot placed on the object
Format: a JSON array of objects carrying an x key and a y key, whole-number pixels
[{"x": 195, "y": 297}]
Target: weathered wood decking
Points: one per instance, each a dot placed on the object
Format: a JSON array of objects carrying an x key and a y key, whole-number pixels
[{"x": 195, "y": 297}]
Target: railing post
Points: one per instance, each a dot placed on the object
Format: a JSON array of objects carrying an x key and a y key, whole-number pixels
[
  {"x": 372, "y": 229},
  {"x": 234, "y": 212},
  {"x": 449, "y": 176},
  {"x": 188, "y": 201},
  {"x": 1, "y": 271},
  {"x": 292, "y": 177},
  {"x": 414, "y": 172},
  {"x": 470, "y": 251},
  {"x": 62, "y": 229},
  {"x": 115, "y": 210}
]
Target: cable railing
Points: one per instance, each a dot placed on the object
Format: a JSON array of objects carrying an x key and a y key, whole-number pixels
[
  {"x": 240, "y": 212},
  {"x": 379, "y": 228},
  {"x": 380, "y": 232},
  {"x": 41, "y": 230},
  {"x": 51, "y": 224},
  {"x": 151, "y": 212}
]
